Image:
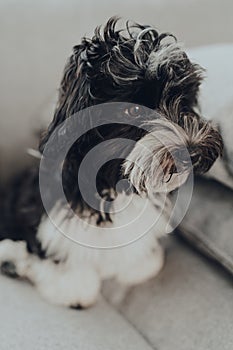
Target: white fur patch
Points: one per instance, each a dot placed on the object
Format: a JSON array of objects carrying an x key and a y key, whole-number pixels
[
  {"x": 130, "y": 265},
  {"x": 143, "y": 165},
  {"x": 76, "y": 279}
]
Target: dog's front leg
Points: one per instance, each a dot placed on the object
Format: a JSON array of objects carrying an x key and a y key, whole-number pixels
[
  {"x": 62, "y": 283},
  {"x": 13, "y": 258},
  {"x": 141, "y": 267}
]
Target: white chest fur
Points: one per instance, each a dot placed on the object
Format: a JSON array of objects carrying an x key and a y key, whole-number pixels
[
  {"x": 76, "y": 279},
  {"x": 135, "y": 228}
]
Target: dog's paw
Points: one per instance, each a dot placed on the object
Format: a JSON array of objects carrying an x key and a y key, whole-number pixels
[
  {"x": 8, "y": 268},
  {"x": 12, "y": 250},
  {"x": 62, "y": 285},
  {"x": 13, "y": 258}
]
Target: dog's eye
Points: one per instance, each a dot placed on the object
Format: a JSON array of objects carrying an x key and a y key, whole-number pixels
[{"x": 134, "y": 111}]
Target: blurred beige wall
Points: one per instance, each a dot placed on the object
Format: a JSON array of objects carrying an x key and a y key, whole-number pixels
[{"x": 37, "y": 37}]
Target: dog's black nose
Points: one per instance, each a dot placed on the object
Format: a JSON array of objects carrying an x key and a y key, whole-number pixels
[
  {"x": 200, "y": 156},
  {"x": 203, "y": 141},
  {"x": 204, "y": 155}
]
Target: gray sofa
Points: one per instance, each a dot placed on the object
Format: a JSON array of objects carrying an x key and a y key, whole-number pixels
[{"x": 187, "y": 307}]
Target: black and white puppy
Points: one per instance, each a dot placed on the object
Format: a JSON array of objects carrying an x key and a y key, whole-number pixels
[{"x": 152, "y": 83}]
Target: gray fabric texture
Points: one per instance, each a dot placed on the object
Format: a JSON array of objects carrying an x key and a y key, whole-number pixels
[
  {"x": 208, "y": 223},
  {"x": 187, "y": 307},
  {"x": 29, "y": 323},
  {"x": 216, "y": 101}
]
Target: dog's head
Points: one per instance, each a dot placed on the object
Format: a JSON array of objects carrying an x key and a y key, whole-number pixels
[{"x": 157, "y": 84}]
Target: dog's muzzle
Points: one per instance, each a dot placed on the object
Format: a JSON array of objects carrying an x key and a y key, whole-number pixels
[{"x": 163, "y": 159}]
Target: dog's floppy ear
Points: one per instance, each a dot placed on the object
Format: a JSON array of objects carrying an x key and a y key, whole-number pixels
[
  {"x": 73, "y": 91},
  {"x": 180, "y": 78}
]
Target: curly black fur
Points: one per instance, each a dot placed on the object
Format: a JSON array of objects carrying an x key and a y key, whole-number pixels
[{"x": 114, "y": 66}]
